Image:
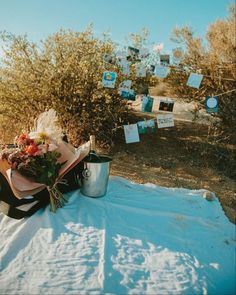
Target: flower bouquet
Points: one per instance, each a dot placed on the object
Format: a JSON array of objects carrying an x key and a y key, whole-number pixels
[{"x": 39, "y": 159}]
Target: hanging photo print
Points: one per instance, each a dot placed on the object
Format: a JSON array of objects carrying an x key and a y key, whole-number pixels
[
  {"x": 125, "y": 90},
  {"x": 128, "y": 94},
  {"x": 142, "y": 127},
  {"x": 125, "y": 66},
  {"x": 133, "y": 54},
  {"x": 212, "y": 104},
  {"x": 151, "y": 69},
  {"x": 147, "y": 103},
  {"x": 150, "y": 126},
  {"x": 126, "y": 69},
  {"x": 108, "y": 58},
  {"x": 194, "y": 80},
  {"x": 161, "y": 71},
  {"x": 109, "y": 79},
  {"x": 166, "y": 105},
  {"x": 140, "y": 70},
  {"x": 165, "y": 120},
  {"x": 164, "y": 59},
  {"x": 126, "y": 85},
  {"x": 131, "y": 133}
]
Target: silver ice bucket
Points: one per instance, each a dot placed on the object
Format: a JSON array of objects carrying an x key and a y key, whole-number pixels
[{"x": 95, "y": 177}]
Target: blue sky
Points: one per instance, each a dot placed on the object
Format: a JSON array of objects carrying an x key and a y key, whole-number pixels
[{"x": 40, "y": 18}]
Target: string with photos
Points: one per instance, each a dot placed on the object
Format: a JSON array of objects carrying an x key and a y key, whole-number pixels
[
  {"x": 154, "y": 58},
  {"x": 155, "y": 119},
  {"x": 188, "y": 69},
  {"x": 122, "y": 126}
]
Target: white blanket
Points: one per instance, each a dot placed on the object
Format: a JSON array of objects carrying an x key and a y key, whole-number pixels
[{"x": 138, "y": 239}]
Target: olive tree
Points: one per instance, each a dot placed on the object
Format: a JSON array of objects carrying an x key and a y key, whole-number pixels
[
  {"x": 216, "y": 61},
  {"x": 63, "y": 72}
]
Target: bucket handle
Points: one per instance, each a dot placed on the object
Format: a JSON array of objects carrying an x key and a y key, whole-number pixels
[{"x": 86, "y": 173}]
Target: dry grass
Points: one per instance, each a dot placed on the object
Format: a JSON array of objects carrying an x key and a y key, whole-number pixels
[{"x": 172, "y": 157}]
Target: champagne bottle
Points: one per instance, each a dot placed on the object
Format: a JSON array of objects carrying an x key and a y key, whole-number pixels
[{"x": 93, "y": 156}]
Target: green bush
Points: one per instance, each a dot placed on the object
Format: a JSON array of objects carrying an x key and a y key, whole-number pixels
[{"x": 64, "y": 72}]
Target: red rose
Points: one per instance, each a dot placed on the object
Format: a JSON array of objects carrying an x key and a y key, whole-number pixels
[{"x": 31, "y": 149}]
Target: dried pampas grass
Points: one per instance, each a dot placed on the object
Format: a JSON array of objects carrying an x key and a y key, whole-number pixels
[{"x": 47, "y": 122}]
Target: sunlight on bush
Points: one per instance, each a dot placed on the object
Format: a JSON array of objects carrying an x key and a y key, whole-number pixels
[
  {"x": 216, "y": 62},
  {"x": 64, "y": 72}
]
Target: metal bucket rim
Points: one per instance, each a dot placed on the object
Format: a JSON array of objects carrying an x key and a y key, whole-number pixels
[{"x": 105, "y": 159}]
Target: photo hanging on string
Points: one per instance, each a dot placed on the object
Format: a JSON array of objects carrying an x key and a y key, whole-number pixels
[
  {"x": 131, "y": 133},
  {"x": 150, "y": 126},
  {"x": 126, "y": 84},
  {"x": 161, "y": 71},
  {"x": 164, "y": 59},
  {"x": 125, "y": 90},
  {"x": 212, "y": 104},
  {"x": 109, "y": 79},
  {"x": 194, "y": 80},
  {"x": 140, "y": 70},
  {"x": 165, "y": 120},
  {"x": 166, "y": 105},
  {"x": 142, "y": 127},
  {"x": 147, "y": 103},
  {"x": 128, "y": 94},
  {"x": 151, "y": 70},
  {"x": 109, "y": 58},
  {"x": 125, "y": 66},
  {"x": 133, "y": 54}
]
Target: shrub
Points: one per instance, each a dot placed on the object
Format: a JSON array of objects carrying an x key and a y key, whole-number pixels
[
  {"x": 63, "y": 72},
  {"x": 216, "y": 61}
]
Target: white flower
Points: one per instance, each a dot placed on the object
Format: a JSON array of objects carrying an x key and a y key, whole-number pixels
[{"x": 47, "y": 123}]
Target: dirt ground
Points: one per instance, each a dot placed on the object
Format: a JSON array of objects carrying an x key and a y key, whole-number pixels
[{"x": 174, "y": 157}]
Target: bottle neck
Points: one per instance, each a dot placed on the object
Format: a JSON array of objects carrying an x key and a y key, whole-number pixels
[
  {"x": 92, "y": 144},
  {"x": 93, "y": 156}
]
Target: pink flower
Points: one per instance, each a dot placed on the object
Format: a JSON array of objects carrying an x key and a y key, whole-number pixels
[{"x": 23, "y": 140}]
